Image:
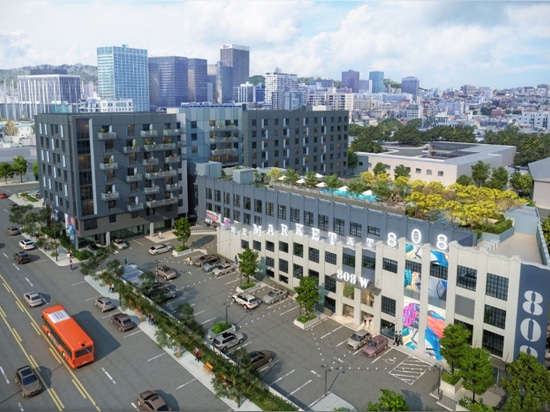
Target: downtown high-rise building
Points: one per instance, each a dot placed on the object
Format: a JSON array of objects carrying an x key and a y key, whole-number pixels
[
  {"x": 221, "y": 77},
  {"x": 237, "y": 57},
  {"x": 168, "y": 81},
  {"x": 350, "y": 80},
  {"x": 410, "y": 84},
  {"x": 277, "y": 86},
  {"x": 197, "y": 80},
  {"x": 123, "y": 73},
  {"x": 377, "y": 79}
]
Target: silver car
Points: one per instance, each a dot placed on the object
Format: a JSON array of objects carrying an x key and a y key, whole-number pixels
[
  {"x": 358, "y": 339},
  {"x": 227, "y": 340},
  {"x": 274, "y": 295},
  {"x": 162, "y": 248}
]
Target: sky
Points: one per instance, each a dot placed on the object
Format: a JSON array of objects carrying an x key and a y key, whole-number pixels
[{"x": 444, "y": 43}]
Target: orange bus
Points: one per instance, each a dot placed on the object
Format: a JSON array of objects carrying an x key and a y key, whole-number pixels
[{"x": 74, "y": 344}]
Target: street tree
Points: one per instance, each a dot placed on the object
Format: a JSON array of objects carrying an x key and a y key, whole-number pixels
[
  {"x": 480, "y": 173},
  {"x": 454, "y": 343},
  {"x": 353, "y": 159},
  {"x": 182, "y": 230},
  {"x": 476, "y": 371},
  {"x": 379, "y": 168},
  {"x": 17, "y": 215},
  {"x": 6, "y": 170},
  {"x": 308, "y": 294},
  {"x": 35, "y": 170},
  {"x": 20, "y": 166},
  {"x": 248, "y": 263},
  {"x": 522, "y": 182},
  {"x": 389, "y": 401},
  {"x": 527, "y": 383},
  {"x": 401, "y": 170}
]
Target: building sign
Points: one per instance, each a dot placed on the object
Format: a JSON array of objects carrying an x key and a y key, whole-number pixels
[{"x": 213, "y": 217}]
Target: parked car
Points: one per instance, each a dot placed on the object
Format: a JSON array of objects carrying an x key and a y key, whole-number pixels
[
  {"x": 166, "y": 272},
  {"x": 104, "y": 304},
  {"x": 358, "y": 339},
  {"x": 157, "y": 249},
  {"x": 28, "y": 381},
  {"x": 152, "y": 401},
  {"x": 21, "y": 257},
  {"x": 33, "y": 299},
  {"x": 121, "y": 244},
  {"x": 375, "y": 346},
  {"x": 14, "y": 206},
  {"x": 247, "y": 300},
  {"x": 123, "y": 322},
  {"x": 226, "y": 340},
  {"x": 93, "y": 248},
  {"x": 160, "y": 291},
  {"x": 259, "y": 358},
  {"x": 3, "y": 195},
  {"x": 209, "y": 267},
  {"x": 201, "y": 260},
  {"x": 26, "y": 244},
  {"x": 12, "y": 231},
  {"x": 223, "y": 269},
  {"x": 275, "y": 295}
]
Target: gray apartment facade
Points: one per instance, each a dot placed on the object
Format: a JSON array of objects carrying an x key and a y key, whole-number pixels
[{"x": 112, "y": 175}]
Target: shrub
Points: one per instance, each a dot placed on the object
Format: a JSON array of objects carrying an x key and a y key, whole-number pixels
[
  {"x": 450, "y": 379},
  {"x": 248, "y": 285},
  {"x": 219, "y": 327},
  {"x": 307, "y": 318}
]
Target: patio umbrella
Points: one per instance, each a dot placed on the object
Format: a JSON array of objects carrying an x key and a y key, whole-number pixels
[
  {"x": 367, "y": 193},
  {"x": 319, "y": 175},
  {"x": 283, "y": 177},
  {"x": 321, "y": 184},
  {"x": 343, "y": 189},
  {"x": 301, "y": 181}
]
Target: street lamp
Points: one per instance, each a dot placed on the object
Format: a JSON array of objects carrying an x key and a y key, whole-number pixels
[
  {"x": 326, "y": 368},
  {"x": 157, "y": 270},
  {"x": 439, "y": 368},
  {"x": 226, "y": 307}
]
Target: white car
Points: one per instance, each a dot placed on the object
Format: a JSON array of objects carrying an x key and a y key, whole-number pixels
[
  {"x": 247, "y": 300},
  {"x": 120, "y": 244},
  {"x": 162, "y": 248},
  {"x": 26, "y": 244},
  {"x": 223, "y": 269},
  {"x": 33, "y": 299}
]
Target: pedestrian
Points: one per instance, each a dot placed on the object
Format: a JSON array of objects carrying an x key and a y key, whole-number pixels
[
  {"x": 400, "y": 340},
  {"x": 395, "y": 339},
  {"x": 151, "y": 319},
  {"x": 369, "y": 320},
  {"x": 236, "y": 260},
  {"x": 197, "y": 354},
  {"x": 188, "y": 261},
  {"x": 71, "y": 265},
  {"x": 160, "y": 234},
  {"x": 125, "y": 261},
  {"x": 364, "y": 320},
  {"x": 112, "y": 288}
]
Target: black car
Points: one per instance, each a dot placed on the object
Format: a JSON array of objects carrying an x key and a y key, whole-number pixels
[{"x": 21, "y": 257}]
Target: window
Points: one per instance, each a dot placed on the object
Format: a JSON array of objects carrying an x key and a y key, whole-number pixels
[
  {"x": 497, "y": 286},
  {"x": 339, "y": 226},
  {"x": 369, "y": 262},
  {"x": 244, "y": 244},
  {"x": 418, "y": 171},
  {"x": 283, "y": 247},
  {"x": 246, "y": 219},
  {"x": 308, "y": 218},
  {"x": 227, "y": 198},
  {"x": 257, "y": 206},
  {"x": 283, "y": 265},
  {"x": 313, "y": 274},
  {"x": 281, "y": 212},
  {"x": 270, "y": 262},
  {"x": 371, "y": 230},
  {"x": 313, "y": 255},
  {"x": 297, "y": 271},
  {"x": 112, "y": 218},
  {"x": 237, "y": 200},
  {"x": 209, "y": 193},
  {"x": 330, "y": 257},
  {"x": 323, "y": 222},
  {"x": 247, "y": 203},
  {"x": 466, "y": 277},
  {"x": 495, "y": 316},
  {"x": 257, "y": 245},
  {"x": 257, "y": 220},
  {"x": 438, "y": 271},
  {"x": 236, "y": 215},
  {"x": 493, "y": 343},
  {"x": 217, "y": 196},
  {"x": 270, "y": 246},
  {"x": 388, "y": 306},
  {"x": 283, "y": 279},
  {"x": 269, "y": 208},
  {"x": 348, "y": 260},
  {"x": 294, "y": 215},
  {"x": 330, "y": 284},
  {"x": 298, "y": 249},
  {"x": 355, "y": 229},
  {"x": 428, "y": 172},
  {"x": 440, "y": 173},
  {"x": 413, "y": 266},
  {"x": 389, "y": 265}
]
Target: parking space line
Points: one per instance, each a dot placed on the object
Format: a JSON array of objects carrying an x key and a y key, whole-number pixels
[
  {"x": 78, "y": 283},
  {"x": 290, "y": 310},
  {"x": 186, "y": 383},
  {"x": 282, "y": 377},
  {"x": 341, "y": 343},
  {"x": 297, "y": 389},
  {"x": 155, "y": 357},
  {"x": 332, "y": 331},
  {"x": 207, "y": 320},
  {"x": 133, "y": 333}
]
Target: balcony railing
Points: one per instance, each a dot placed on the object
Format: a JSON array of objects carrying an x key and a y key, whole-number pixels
[
  {"x": 171, "y": 132},
  {"x": 171, "y": 186},
  {"x": 106, "y": 135},
  {"x": 163, "y": 202},
  {"x": 223, "y": 140},
  {"x": 131, "y": 149},
  {"x": 151, "y": 189},
  {"x": 156, "y": 175},
  {"x": 172, "y": 159},
  {"x": 108, "y": 166},
  {"x": 160, "y": 146},
  {"x": 134, "y": 207},
  {"x": 148, "y": 133},
  {"x": 152, "y": 161},
  {"x": 223, "y": 151},
  {"x": 110, "y": 195},
  {"x": 134, "y": 178}
]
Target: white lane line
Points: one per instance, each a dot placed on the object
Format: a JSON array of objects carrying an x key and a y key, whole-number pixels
[
  {"x": 297, "y": 389},
  {"x": 282, "y": 377},
  {"x": 109, "y": 376},
  {"x": 155, "y": 357},
  {"x": 77, "y": 283},
  {"x": 30, "y": 283},
  {"x": 341, "y": 343},
  {"x": 332, "y": 331},
  {"x": 290, "y": 310},
  {"x": 186, "y": 383},
  {"x": 5, "y": 376},
  {"x": 16, "y": 266},
  {"x": 198, "y": 313},
  {"x": 315, "y": 373},
  {"x": 132, "y": 334},
  {"x": 207, "y": 320}
]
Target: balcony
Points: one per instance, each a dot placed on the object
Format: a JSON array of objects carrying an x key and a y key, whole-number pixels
[
  {"x": 163, "y": 202},
  {"x": 131, "y": 149},
  {"x": 151, "y": 189},
  {"x": 135, "y": 206},
  {"x": 224, "y": 140},
  {"x": 172, "y": 159},
  {"x": 171, "y": 132},
  {"x": 152, "y": 161},
  {"x": 134, "y": 178},
  {"x": 157, "y": 175},
  {"x": 171, "y": 186},
  {"x": 161, "y": 146},
  {"x": 224, "y": 151},
  {"x": 149, "y": 133},
  {"x": 106, "y": 135},
  {"x": 108, "y": 166},
  {"x": 110, "y": 195}
]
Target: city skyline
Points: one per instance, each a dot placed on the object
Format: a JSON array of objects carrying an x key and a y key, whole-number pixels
[{"x": 445, "y": 44}]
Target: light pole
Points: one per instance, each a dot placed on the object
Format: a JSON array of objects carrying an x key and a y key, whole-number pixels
[
  {"x": 226, "y": 306},
  {"x": 438, "y": 366},
  {"x": 157, "y": 270},
  {"x": 326, "y": 368}
]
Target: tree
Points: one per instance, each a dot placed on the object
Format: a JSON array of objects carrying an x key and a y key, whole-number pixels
[
  {"x": 6, "y": 170},
  {"x": 182, "y": 230},
  {"x": 248, "y": 263},
  {"x": 480, "y": 173},
  {"x": 464, "y": 180},
  {"x": 292, "y": 176},
  {"x": 527, "y": 384},
  {"x": 499, "y": 179},
  {"x": 20, "y": 166},
  {"x": 522, "y": 182},
  {"x": 476, "y": 370},
  {"x": 546, "y": 230},
  {"x": 35, "y": 170},
  {"x": 10, "y": 129},
  {"x": 401, "y": 170},
  {"x": 308, "y": 294},
  {"x": 310, "y": 179},
  {"x": 379, "y": 168},
  {"x": 274, "y": 174},
  {"x": 17, "y": 215},
  {"x": 333, "y": 182},
  {"x": 389, "y": 401},
  {"x": 454, "y": 343},
  {"x": 353, "y": 159}
]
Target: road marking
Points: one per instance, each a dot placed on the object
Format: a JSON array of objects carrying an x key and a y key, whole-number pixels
[
  {"x": 186, "y": 383},
  {"x": 198, "y": 313},
  {"x": 155, "y": 357},
  {"x": 20, "y": 406},
  {"x": 5, "y": 376},
  {"x": 297, "y": 389},
  {"x": 30, "y": 283},
  {"x": 290, "y": 310},
  {"x": 207, "y": 320},
  {"x": 139, "y": 243},
  {"x": 282, "y": 377},
  {"x": 109, "y": 376},
  {"x": 315, "y": 373},
  {"x": 132, "y": 334},
  {"x": 331, "y": 332},
  {"x": 77, "y": 283},
  {"x": 16, "y": 266},
  {"x": 79, "y": 388},
  {"x": 341, "y": 343}
]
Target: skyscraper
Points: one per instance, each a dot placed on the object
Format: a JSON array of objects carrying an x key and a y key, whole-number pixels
[
  {"x": 221, "y": 77},
  {"x": 238, "y": 57},
  {"x": 197, "y": 78},
  {"x": 350, "y": 79},
  {"x": 377, "y": 79},
  {"x": 276, "y": 85},
  {"x": 123, "y": 73},
  {"x": 410, "y": 84},
  {"x": 168, "y": 81}
]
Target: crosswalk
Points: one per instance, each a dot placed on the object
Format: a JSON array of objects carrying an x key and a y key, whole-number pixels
[{"x": 410, "y": 370}]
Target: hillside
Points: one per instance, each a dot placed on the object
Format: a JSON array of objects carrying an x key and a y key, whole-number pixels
[{"x": 86, "y": 72}]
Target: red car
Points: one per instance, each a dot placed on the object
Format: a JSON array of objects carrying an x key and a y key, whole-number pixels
[{"x": 3, "y": 195}]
